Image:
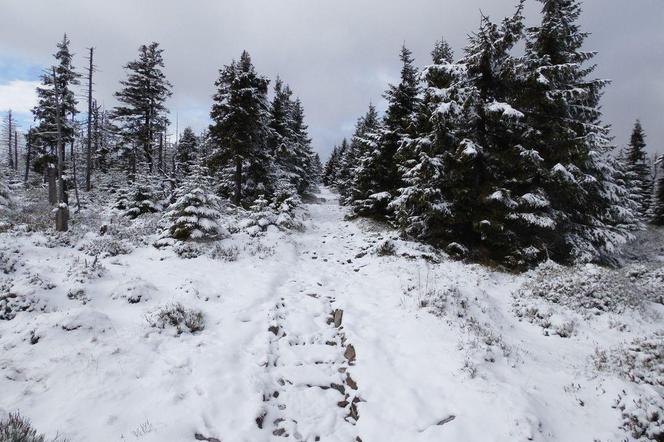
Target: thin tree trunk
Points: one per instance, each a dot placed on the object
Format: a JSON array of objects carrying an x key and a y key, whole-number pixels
[
  {"x": 9, "y": 142},
  {"x": 62, "y": 214},
  {"x": 16, "y": 150},
  {"x": 238, "y": 180},
  {"x": 51, "y": 178},
  {"x": 28, "y": 151},
  {"x": 161, "y": 151},
  {"x": 88, "y": 154},
  {"x": 73, "y": 167}
]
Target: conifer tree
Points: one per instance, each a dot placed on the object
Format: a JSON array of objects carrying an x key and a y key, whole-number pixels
[
  {"x": 187, "y": 151},
  {"x": 379, "y": 174},
  {"x": 142, "y": 112},
  {"x": 239, "y": 131},
  {"x": 195, "y": 213},
  {"x": 355, "y": 155},
  {"x": 658, "y": 198},
  {"x": 304, "y": 163},
  {"x": 591, "y": 209},
  {"x": 330, "y": 167},
  {"x": 45, "y": 112},
  {"x": 638, "y": 171},
  {"x": 419, "y": 205}
]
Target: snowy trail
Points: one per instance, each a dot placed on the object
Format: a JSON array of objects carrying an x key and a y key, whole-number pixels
[{"x": 308, "y": 336}]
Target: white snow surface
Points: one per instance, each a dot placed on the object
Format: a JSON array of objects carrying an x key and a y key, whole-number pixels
[{"x": 440, "y": 353}]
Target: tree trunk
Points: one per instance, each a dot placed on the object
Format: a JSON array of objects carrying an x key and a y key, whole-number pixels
[
  {"x": 9, "y": 142},
  {"x": 51, "y": 175},
  {"x": 62, "y": 213},
  {"x": 161, "y": 152},
  {"x": 16, "y": 150},
  {"x": 238, "y": 180},
  {"x": 28, "y": 151},
  {"x": 88, "y": 154},
  {"x": 73, "y": 167}
]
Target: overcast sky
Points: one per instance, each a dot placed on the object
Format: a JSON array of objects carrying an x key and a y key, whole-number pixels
[{"x": 337, "y": 55}]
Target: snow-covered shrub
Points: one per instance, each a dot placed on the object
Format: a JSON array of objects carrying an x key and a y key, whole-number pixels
[
  {"x": 104, "y": 246},
  {"x": 187, "y": 250},
  {"x": 286, "y": 217},
  {"x": 11, "y": 303},
  {"x": 593, "y": 289},
  {"x": 262, "y": 214},
  {"x": 78, "y": 294},
  {"x": 139, "y": 198},
  {"x": 16, "y": 428},
  {"x": 447, "y": 302},
  {"x": 181, "y": 318},
  {"x": 642, "y": 416},
  {"x": 134, "y": 291},
  {"x": 386, "y": 248},
  {"x": 9, "y": 260},
  {"x": 641, "y": 361},
  {"x": 259, "y": 249},
  {"x": 83, "y": 270},
  {"x": 228, "y": 254}
]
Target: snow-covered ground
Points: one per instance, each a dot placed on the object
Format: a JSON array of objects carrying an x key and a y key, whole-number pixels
[{"x": 340, "y": 332}]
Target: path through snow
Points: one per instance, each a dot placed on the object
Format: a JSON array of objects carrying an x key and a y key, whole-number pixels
[{"x": 273, "y": 364}]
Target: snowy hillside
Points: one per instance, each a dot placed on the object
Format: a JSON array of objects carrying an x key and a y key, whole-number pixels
[{"x": 339, "y": 331}]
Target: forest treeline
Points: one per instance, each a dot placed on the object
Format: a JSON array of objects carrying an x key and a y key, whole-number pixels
[
  {"x": 499, "y": 157},
  {"x": 257, "y": 147}
]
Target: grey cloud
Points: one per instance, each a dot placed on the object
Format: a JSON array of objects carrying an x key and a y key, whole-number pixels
[{"x": 336, "y": 55}]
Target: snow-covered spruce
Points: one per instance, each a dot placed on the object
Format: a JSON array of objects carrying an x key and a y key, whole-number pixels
[
  {"x": 140, "y": 197},
  {"x": 194, "y": 215}
]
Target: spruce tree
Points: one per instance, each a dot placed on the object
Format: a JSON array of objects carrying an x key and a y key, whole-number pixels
[
  {"x": 495, "y": 208},
  {"x": 658, "y": 198},
  {"x": 195, "y": 213},
  {"x": 304, "y": 163},
  {"x": 355, "y": 155},
  {"x": 142, "y": 112},
  {"x": 187, "y": 151},
  {"x": 239, "y": 131},
  {"x": 330, "y": 167},
  {"x": 419, "y": 206},
  {"x": 638, "y": 171},
  {"x": 45, "y": 112},
  {"x": 379, "y": 174},
  {"x": 591, "y": 209}
]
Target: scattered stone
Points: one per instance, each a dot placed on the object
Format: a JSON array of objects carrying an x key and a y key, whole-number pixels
[
  {"x": 338, "y": 317},
  {"x": 350, "y": 353},
  {"x": 447, "y": 420}
]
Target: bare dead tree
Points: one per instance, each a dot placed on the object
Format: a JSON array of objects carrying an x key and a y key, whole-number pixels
[
  {"x": 88, "y": 154},
  {"x": 73, "y": 168},
  {"x": 28, "y": 152},
  {"x": 9, "y": 139},
  {"x": 15, "y": 150}
]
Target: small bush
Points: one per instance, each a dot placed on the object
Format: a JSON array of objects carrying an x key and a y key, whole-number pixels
[
  {"x": 16, "y": 428},
  {"x": 187, "y": 250},
  {"x": 228, "y": 254},
  {"x": 386, "y": 248},
  {"x": 642, "y": 361},
  {"x": 105, "y": 246},
  {"x": 594, "y": 290},
  {"x": 181, "y": 318},
  {"x": 11, "y": 303},
  {"x": 642, "y": 417}
]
